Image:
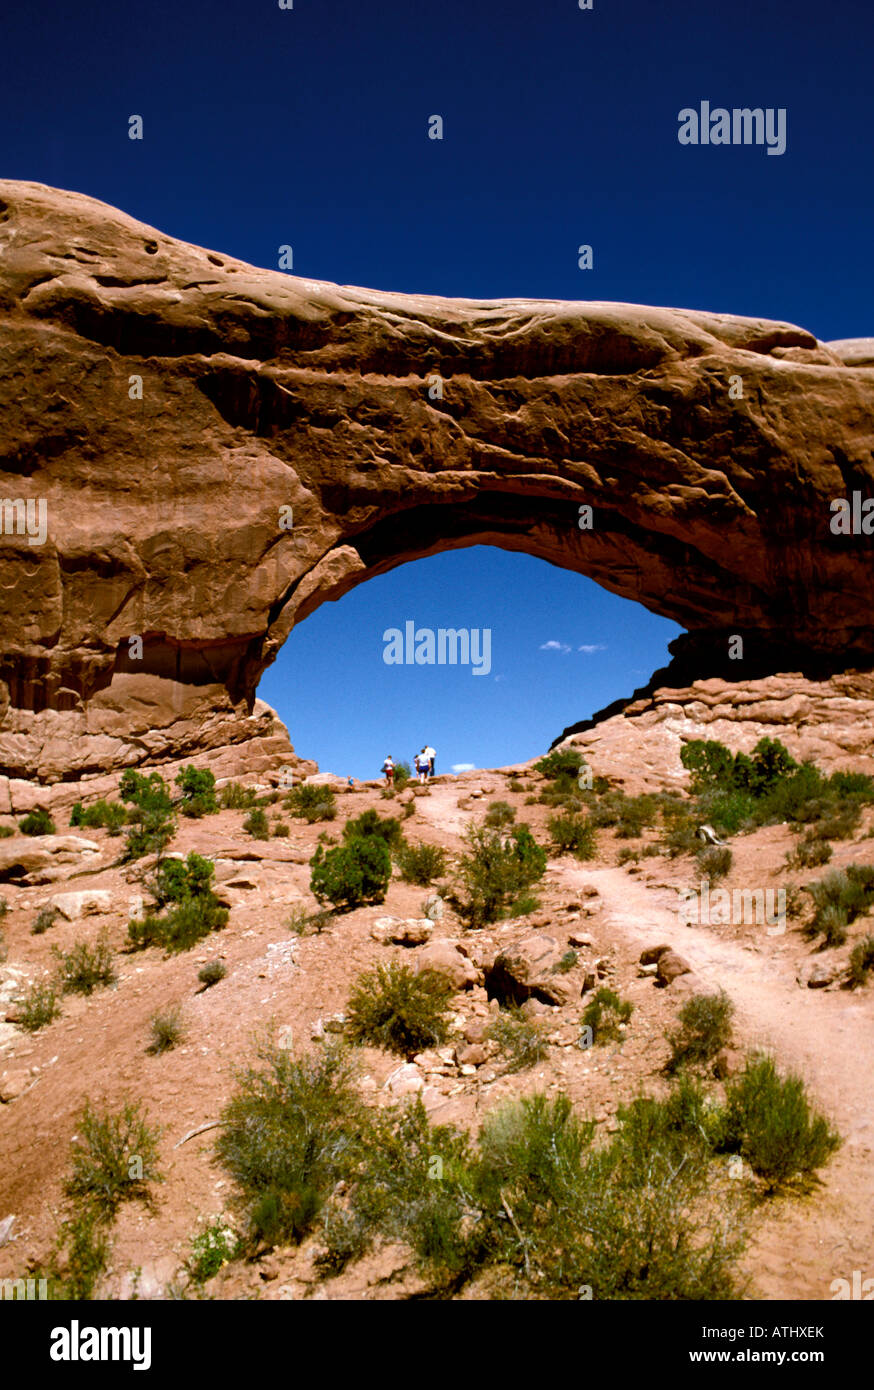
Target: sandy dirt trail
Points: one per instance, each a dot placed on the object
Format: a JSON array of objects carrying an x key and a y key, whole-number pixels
[{"x": 828, "y": 1037}]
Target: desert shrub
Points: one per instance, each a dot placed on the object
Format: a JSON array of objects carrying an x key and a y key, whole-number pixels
[
  {"x": 166, "y": 1030},
  {"x": 627, "y": 855},
  {"x": 38, "y": 1006},
  {"x": 727, "y": 811},
  {"x": 560, "y": 763},
  {"x": 861, "y": 960},
  {"x": 499, "y": 815},
  {"x": 280, "y": 830},
  {"x": 604, "y": 1013},
  {"x": 293, "y": 1130},
  {"x": 6, "y": 831},
  {"x": 420, "y": 863},
  {"x": 573, "y": 832},
  {"x": 811, "y": 852},
  {"x": 839, "y": 898},
  {"x": 37, "y": 822},
  {"x": 710, "y": 764},
  {"x": 770, "y": 1122},
  {"x": 234, "y": 797},
  {"x": 345, "y": 1235},
  {"x": 182, "y": 893},
  {"x": 85, "y": 1246},
  {"x": 522, "y": 1040},
  {"x": 257, "y": 825},
  {"x": 4, "y": 908},
  {"x": 109, "y": 815},
  {"x": 211, "y": 1249},
  {"x": 567, "y": 962},
  {"x": 353, "y": 873},
  {"x": 370, "y": 822},
  {"x": 198, "y": 791},
  {"x": 44, "y": 920},
  {"x": 151, "y": 813},
  {"x": 495, "y": 871},
  {"x": 686, "y": 1126},
  {"x": 635, "y": 814},
  {"x": 514, "y": 785},
  {"x": 85, "y": 968},
  {"x": 211, "y": 973},
  {"x": 395, "y": 1008},
  {"x": 304, "y": 923},
  {"x": 114, "y": 1159},
  {"x": 714, "y": 862},
  {"x": 681, "y": 836},
  {"x": 403, "y": 775},
  {"x": 705, "y": 1029},
  {"x": 312, "y": 803}
]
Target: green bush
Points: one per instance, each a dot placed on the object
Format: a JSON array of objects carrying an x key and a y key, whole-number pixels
[
  {"x": 151, "y": 815},
  {"x": 769, "y": 1121},
  {"x": 44, "y": 920},
  {"x": 312, "y": 803},
  {"x": 420, "y": 863},
  {"x": 353, "y": 873},
  {"x": 522, "y": 1040},
  {"x": 603, "y": 1015},
  {"x": 166, "y": 1030},
  {"x": 184, "y": 889},
  {"x": 108, "y": 815},
  {"x": 211, "y": 1250},
  {"x": 37, "y": 822},
  {"x": 403, "y": 775},
  {"x": 234, "y": 797},
  {"x": 839, "y": 898},
  {"x": 705, "y": 1029},
  {"x": 500, "y": 814},
  {"x": 86, "y": 1254},
  {"x": 293, "y": 1130},
  {"x": 395, "y": 1008},
  {"x": 810, "y": 853},
  {"x": 370, "y": 822},
  {"x": 714, "y": 862},
  {"x": 495, "y": 872},
  {"x": 38, "y": 1006},
  {"x": 574, "y": 833},
  {"x": 211, "y": 973},
  {"x": 257, "y": 825},
  {"x": 115, "y": 1159},
  {"x": 861, "y": 961},
  {"x": 280, "y": 830},
  {"x": 560, "y": 763},
  {"x": 198, "y": 791},
  {"x": 6, "y": 831},
  {"x": 727, "y": 811},
  {"x": 84, "y": 968},
  {"x": 514, "y": 785}
]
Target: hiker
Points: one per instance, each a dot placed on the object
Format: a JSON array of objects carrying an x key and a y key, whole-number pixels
[
  {"x": 430, "y": 754},
  {"x": 422, "y": 765},
  {"x": 388, "y": 768}
]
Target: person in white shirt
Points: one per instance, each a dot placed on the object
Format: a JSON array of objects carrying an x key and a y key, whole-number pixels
[{"x": 430, "y": 754}]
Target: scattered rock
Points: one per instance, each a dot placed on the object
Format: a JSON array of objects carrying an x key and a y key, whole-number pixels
[
  {"x": 434, "y": 908},
  {"x": 471, "y": 1055},
  {"x": 818, "y": 974},
  {"x": 12, "y": 1085},
  {"x": 475, "y": 1030},
  {"x": 405, "y": 1080},
  {"x": 581, "y": 939}
]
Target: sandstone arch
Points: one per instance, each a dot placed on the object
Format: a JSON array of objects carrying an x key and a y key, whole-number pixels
[{"x": 261, "y": 390}]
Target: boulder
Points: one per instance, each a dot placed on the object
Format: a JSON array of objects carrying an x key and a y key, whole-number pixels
[
  {"x": 72, "y": 906},
  {"x": 652, "y": 954},
  {"x": 525, "y": 971},
  {"x": 671, "y": 966},
  {"x": 448, "y": 958},
  {"x": 13, "y": 1084}
]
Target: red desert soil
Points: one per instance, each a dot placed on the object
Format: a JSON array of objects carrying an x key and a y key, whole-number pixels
[{"x": 96, "y": 1050}]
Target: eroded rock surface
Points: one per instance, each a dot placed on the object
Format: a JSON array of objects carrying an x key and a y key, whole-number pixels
[{"x": 262, "y": 392}]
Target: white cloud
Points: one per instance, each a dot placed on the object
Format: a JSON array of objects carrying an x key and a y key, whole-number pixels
[
  {"x": 590, "y": 648},
  {"x": 554, "y": 647},
  {"x": 464, "y": 767}
]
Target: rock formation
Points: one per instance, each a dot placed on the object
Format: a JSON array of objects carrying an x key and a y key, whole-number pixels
[{"x": 222, "y": 448}]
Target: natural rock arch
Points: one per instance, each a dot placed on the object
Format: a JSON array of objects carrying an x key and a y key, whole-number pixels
[{"x": 261, "y": 391}]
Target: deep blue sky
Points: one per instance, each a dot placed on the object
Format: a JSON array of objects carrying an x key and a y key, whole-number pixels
[{"x": 309, "y": 127}]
